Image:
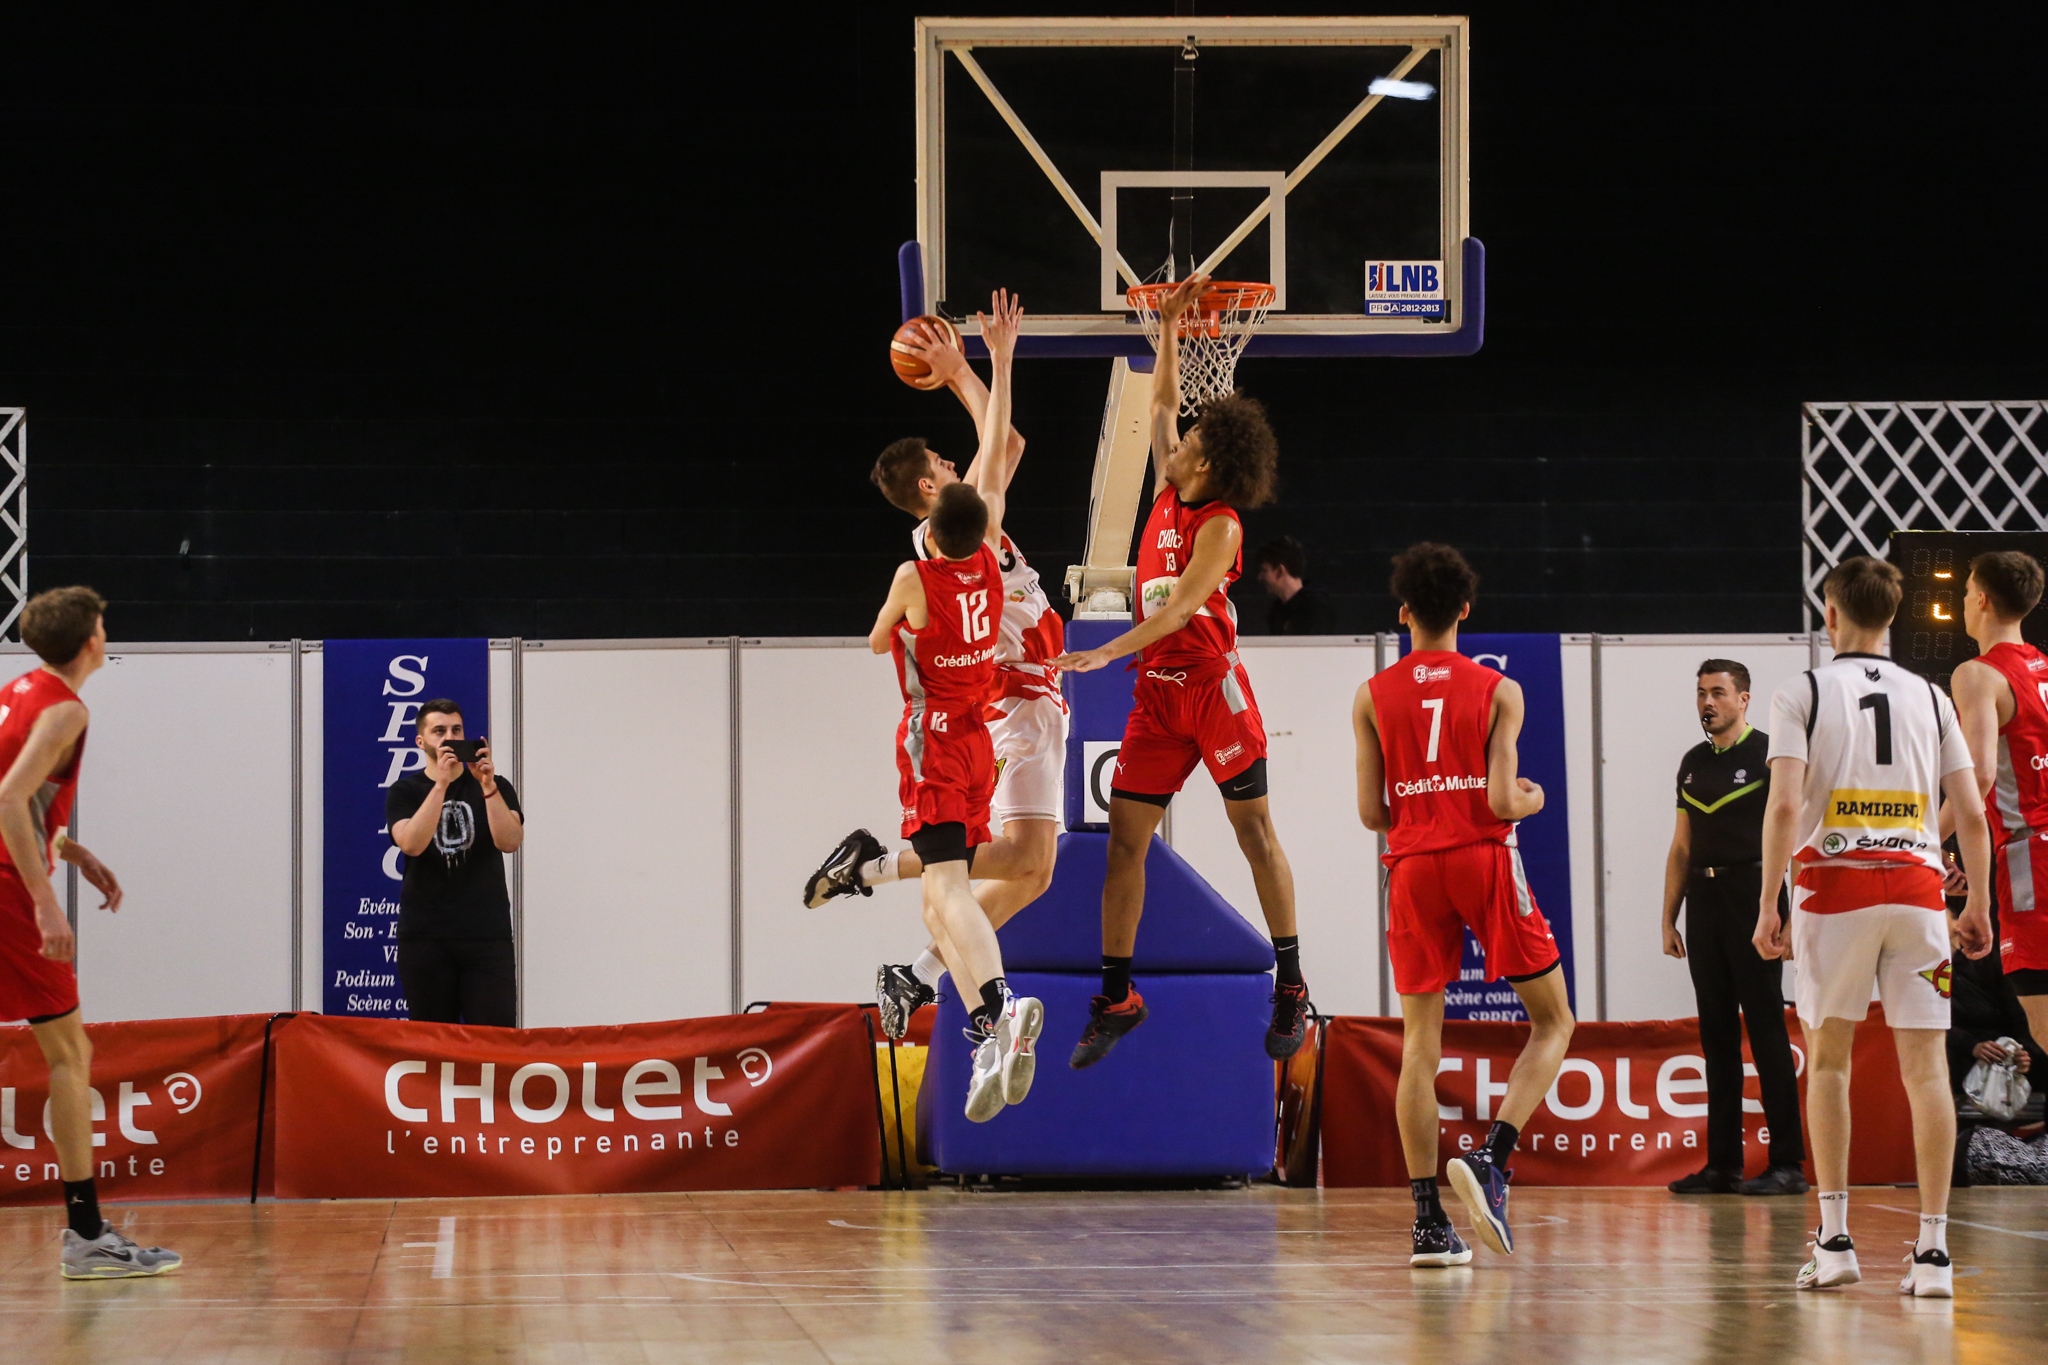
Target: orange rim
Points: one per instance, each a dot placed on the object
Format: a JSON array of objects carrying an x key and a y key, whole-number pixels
[{"x": 1207, "y": 311}]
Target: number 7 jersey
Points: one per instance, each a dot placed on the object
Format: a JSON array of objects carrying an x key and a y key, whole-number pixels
[{"x": 1877, "y": 741}]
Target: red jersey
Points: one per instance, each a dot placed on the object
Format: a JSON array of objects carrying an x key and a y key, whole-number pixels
[
  {"x": 950, "y": 665},
  {"x": 1163, "y": 553},
  {"x": 1028, "y": 634},
  {"x": 1435, "y": 711},
  {"x": 2017, "y": 804},
  {"x": 21, "y": 702}
]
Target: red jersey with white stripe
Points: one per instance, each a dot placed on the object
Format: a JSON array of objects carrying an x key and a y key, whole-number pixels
[
  {"x": 1164, "y": 549},
  {"x": 1435, "y": 713},
  {"x": 2017, "y": 804},
  {"x": 951, "y": 664},
  {"x": 21, "y": 702},
  {"x": 1029, "y": 632}
]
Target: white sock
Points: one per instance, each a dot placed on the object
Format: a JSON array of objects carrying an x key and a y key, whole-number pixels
[
  {"x": 929, "y": 967},
  {"x": 1834, "y": 1214},
  {"x": 1933, "y": 1233},
  {"x": 880, "y": 872}
]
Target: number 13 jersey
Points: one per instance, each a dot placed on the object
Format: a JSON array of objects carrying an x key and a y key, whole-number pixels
[{"x": 1877, "y": 741}]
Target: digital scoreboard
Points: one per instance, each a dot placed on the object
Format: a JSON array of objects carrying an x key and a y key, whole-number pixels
[{"x": 1927, "y": 634}]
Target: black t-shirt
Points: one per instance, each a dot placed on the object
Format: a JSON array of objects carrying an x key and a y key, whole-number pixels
[
  {"x": 1725, "y": 792},
  {"x": 456, "y": 887},
  {"x": 1305, "y": 613}
]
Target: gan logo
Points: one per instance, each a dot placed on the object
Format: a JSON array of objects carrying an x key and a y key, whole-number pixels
[
  {"x": 1833, "y": 844},
  {"x": 1939, "y": 978},
  {"x": 1426, "y": 674}
]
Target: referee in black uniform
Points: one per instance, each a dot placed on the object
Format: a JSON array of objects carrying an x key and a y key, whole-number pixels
[{"x": 1716, "y": 871}]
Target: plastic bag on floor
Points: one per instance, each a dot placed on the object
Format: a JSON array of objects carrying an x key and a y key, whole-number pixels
[
  {"x": 1999, "y": 1158},
  {"x": 1997, "y": 1088}
]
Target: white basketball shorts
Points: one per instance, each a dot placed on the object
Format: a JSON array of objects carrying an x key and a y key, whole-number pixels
[
  {"x": 1030, "y": 738},
  {"x": 1903, "y": 948}
]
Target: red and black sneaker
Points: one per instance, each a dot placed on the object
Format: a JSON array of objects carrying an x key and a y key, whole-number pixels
[
  {"x": 1106, "y": 1024},
  {"x": 1290, "y": 1020}
]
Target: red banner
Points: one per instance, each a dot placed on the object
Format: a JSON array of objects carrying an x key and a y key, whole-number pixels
[
  {"x": 384, "y": 1109},
  {"x": 1628, "y": 1108},
  {"x": 173, "y": 1109}
]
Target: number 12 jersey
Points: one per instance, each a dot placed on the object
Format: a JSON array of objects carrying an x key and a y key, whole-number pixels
[{"x": 945, "y": 762}]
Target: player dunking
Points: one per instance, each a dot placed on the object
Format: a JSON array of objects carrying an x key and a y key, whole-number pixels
[
  {"x": 2002, "y": 700},
  {"x": 1194, "y": 700},
  {"x": 1027, "y": 716},
  {"x": 1437, "y": 775},
  {"x": 42, "y": 745},
  {"x": 1859, "y": 750},
  {"x": 940, "y": 622}
]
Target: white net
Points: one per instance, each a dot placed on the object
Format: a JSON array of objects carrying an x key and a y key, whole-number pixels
[{"x": 1213, "y": 333}]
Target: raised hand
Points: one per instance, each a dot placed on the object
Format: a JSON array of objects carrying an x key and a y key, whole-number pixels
[
  {"x": 1000, "y": 331},
  {"x": 1181, "y": 297},
  {"x": 939, "y": 352}
]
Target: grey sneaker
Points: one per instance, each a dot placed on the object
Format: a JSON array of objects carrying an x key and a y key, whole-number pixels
[{"x": 111, "y": 1256}]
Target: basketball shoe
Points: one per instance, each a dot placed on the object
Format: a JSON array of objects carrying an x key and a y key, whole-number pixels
[
  {"x": 1290, "y": 1020},
  {"x": 1483, "y": 1188},
  {"x": 898, "y": 995},
  {"x": 839, "y": 874},
  {"x": 111, "y": 1256},
  {"x": 1106, "y": 1024},
  {"x": 1833, "y": 1263},
  {"x": 1929, "y": 1275},
  {"x": 1022, "y": 1020},
  {"x": 985, "y": 1094},
  {"x": 1438, "y": 1244}
]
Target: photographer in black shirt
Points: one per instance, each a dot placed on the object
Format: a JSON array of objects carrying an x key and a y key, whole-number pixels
[
  {"x": 455, "y": 822},
  {"x": 1715, "y": 870}
]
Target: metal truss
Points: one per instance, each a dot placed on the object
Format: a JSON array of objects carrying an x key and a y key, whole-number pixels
[
  {"x": 1868, "y": 469},
  {"x": 13, "y": 516}
]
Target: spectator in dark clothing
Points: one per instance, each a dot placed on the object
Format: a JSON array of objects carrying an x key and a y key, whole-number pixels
[
  {"x": 1297, "y": 608},
  {"x": 1983, "y": 1009}
]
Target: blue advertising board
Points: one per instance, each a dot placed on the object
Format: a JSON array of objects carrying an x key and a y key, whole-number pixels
[
  {"x": 1536, "y": 662},
  {"x": 373, "y": 691}
]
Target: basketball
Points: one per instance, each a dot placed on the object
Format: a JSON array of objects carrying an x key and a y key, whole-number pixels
[{"x": 909, "y": 368}]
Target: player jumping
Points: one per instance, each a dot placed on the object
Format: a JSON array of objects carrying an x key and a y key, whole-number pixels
[
  {"x": 1437, "y": 775},
  {"x": 1860, "y": 750},
  {"x": 1027, "y": 715},
  {"x": 42, "y": 746},
  {"x": 1194, "y": 700},
  {"x": 940, "y": 625}
]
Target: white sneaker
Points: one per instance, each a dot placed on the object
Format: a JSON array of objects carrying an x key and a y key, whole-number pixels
[
  {"x": 985, "y": 1091},
  {"x": 1833, "y": 1264},
  {"x": 1930, "y": 1275},
  {"x": 1022, "y": 1020}
]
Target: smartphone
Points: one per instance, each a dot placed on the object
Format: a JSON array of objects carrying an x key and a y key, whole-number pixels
[{"x": 465, "y": 749}]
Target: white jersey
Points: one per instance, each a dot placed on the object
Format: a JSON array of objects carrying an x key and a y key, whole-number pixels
[
  {"x": 1030, "y": 631},
  {"x": 1877, "y": 740}
]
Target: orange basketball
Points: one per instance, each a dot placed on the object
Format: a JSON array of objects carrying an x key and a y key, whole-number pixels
[{"x": 909, "y": 368}]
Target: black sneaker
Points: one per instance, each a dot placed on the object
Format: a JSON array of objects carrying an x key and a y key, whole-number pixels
[
  {"x": 1777, "y": 1180},
  {"x": 1706, "y": 1180},
  {"x": 1106, "y": 1024},
  {"x": 839, "y": 874},
  {"x": 1438, "y": 1244},
  {"x": 1290, "y": 1021},
  {"x": 898, "y": 995}
]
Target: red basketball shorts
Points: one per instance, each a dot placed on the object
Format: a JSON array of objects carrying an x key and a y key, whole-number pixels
[
  {"x": 1182, "y": 716},
  {"x": 2022, "y": 880},
  {"x": 31, "y": 985},
  {"x": 946, "y": 771},
  {"x": 1432, "y": 898}
]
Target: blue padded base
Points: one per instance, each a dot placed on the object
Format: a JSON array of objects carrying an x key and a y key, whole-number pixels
[
  {"x": 1189, "y": 1093},
  {"x": 1187, "y": 926}
]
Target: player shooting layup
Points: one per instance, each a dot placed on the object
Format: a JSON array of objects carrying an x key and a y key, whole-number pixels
[
  {"x": 2002, "y": 699},
  {"x": 1194, "y": 700},
  {"x": 42, "y": 746},
  {"x": 1859, "y": 749},
  {"x": 1027, "y": 715},
  {"x": 940, "y": 625},
  {"x": 1437, "y": 775}
]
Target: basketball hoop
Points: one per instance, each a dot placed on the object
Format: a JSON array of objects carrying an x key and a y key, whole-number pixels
[{"x": 1213, "y": 332}]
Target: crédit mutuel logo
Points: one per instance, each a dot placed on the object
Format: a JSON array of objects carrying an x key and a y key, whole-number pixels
[
  {"x": 538, "y": 1094},
  {"x": 1440, "y": 782},
  {"x": 178, "y": 1093}
]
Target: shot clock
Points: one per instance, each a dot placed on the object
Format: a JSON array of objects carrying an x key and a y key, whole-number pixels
[{"x": 1927, "y": 634}]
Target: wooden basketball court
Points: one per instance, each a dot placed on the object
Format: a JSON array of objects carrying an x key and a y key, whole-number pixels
[{"x": 1253, "y": 1275}]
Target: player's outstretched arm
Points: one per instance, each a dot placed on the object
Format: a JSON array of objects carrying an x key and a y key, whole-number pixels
[
  {"x": 1166, "y": 371},
  {"x": 1509, "y": 795},
  {"x": 1215, "y": 551},
  {"x": 50, "y": 741},
  {"x": 905, "y": 590},
  {"x": 950, "y": 367},
  {"x": 990, "y": 472},
  {"x": 1781, "y": 831},
  {"x": 1973, "y": 837},
  {"x": 1372, "y": 764}
]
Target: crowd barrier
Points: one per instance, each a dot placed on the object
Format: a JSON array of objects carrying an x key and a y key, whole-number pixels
[{"x": 791, "y": 1097}]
